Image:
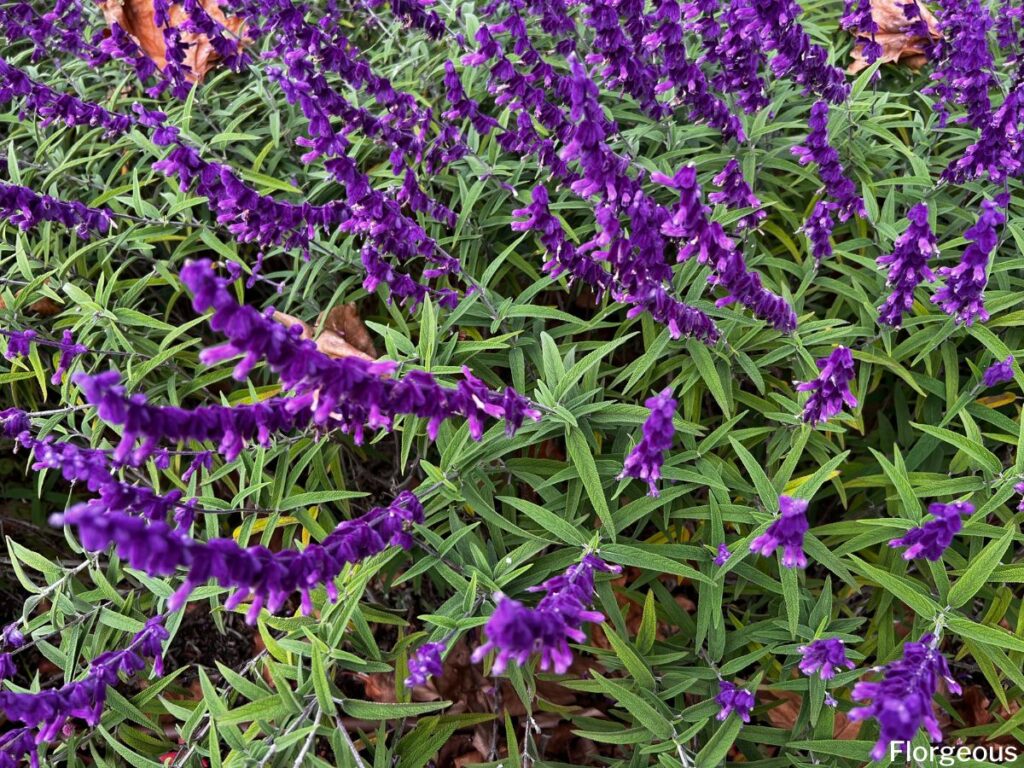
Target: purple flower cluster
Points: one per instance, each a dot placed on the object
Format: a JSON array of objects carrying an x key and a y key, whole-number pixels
[
  {"x": 723, "y": 555},
  {"x": 965, "y": 72},
  {"x": 732, "y": 698},
  {"x": 26, "y": 209},
  {"x": 842, "y": 200},
  {"x": 931, "y": 539},
  {"x": 787, "y": 531},
  {"x": 647, "y": 456},
  {"x": 963, "y": 294},
  {"x": 425, "y": 663},
  {"x": 830, "y": 390},
  {"x": 998, "y": 373},
  {"x": 824, "y": 657},
  {"x": 19, "y": 342},
  {"x": 857, "y": 17},
  {"x": 516, "y": 631},
  {"x": 908, "y": 265},
  {"x": 44, "y": 713},
  {"x": 349, "y": 393},
  {"x": 901, "y": 701},
  {"x": 999, "y": 150},
  {"x": 267, "y": 578}
]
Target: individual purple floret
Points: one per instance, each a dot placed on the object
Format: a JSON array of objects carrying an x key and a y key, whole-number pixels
[
  {"x": 736, "y": 193},
  {"x": 999, "y": 372},
  {"x": 734, "y": 699},
  {"x": 516, "y": 631},
  {"x": 11, "y": 636},
  {"x": 831, "y": 389},
  {"x": 425, "y": 663},
  {"x": 1019, "y": 489},
  {"x": 19, "y": 343},
  {"x": 26, "y": 209},
  {"x": 46, "y": 711},
  {"x": 963, "y": 295},
  {"x": 901, "y": 701},
  {"x": 787, "y": 531},
  {"x": 908, "y": 265},
  {"x": 268, "y": 577},
  {"x": 646, "y": 458},
  {"x": 932, "y": 538},
  {"x": 723, "y": 555},
  {"x": 824, "y": 656}
]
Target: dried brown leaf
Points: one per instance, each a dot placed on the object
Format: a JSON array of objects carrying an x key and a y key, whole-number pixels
[
  {"x": 344, "y": 321},
  {"x": 136, "y": 18},
  {"x": 329, "y": 342},
  {"x": 898, "y": 46}
]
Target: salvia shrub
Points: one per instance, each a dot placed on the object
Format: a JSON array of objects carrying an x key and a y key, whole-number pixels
[{"x": 524, "y": 382}]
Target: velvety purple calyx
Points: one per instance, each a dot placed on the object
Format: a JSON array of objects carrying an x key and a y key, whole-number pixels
[
  {"x": 824, "y": 657},
  {"x": 999, "y": 372},
  {"x": 646, "y": 458},
  {"x": 786, "y": 531},
  {"x": 962, "y": 295},
  {"x": 831, "y": 389},
  {"x": 733, "y": 699},
  {"x": 908, "y": 265},
  {"x": 901, "y": 702},
  {"x": 516, "y": 632},
  {"x": 425, "y": 663},
  {"x": 932, "y": 538}
]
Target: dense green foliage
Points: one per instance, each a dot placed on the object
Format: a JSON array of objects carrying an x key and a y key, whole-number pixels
[{"x": 505, "y": 514}]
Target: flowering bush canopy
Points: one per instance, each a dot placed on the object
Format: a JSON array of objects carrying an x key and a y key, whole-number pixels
[{"x": 522, "y": 382}]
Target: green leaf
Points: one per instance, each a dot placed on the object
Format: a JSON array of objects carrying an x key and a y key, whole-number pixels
[
  {"x": 642, "y": 712},
  {"x": 630, "y": 659},
  {"x": 900, "y": 587},
  {"x": 979, "y": 570},
  {"x": 375, "y": 710},
  {"x": 984, "y": 457},
  {"x": 583, "y": 460}
]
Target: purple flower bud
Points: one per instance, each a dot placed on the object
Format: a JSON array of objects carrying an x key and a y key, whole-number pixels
[
  {"x": 831, "y": 389},
  {"x": 999, "y": 372},
  {"x": 11, "y": 636},
  {"x": 734, "y": 699},
  {"x": 424, "y": 664},
  {"x": 787, "y": 531},
  {"x": 7, "y": 667},
  {"x": 824, "y": 656},
  {"x": 517, "y": 632},
  {"x": 723, "y": 555},
  {"x": 901, "y": 701},
  {"x": 646, "y": 458},
  {"x": 932, "y": 538},
  {"x": 736, "y": 193}
]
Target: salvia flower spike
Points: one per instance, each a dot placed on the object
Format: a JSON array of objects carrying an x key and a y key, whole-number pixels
[
  {"x": 786, "y": 531},
  {"x": 831, "y": 389},
  {"x": 517, "y": 632},
  {"x": 646, "y": 458},
  {"x": 932, "y": 538},
  {"x": 901, "y": 701}
]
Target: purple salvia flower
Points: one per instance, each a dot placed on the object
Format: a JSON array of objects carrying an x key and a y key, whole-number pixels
[
  {"x": 69, "y": 350},
  {"x": 347, "y": 392},
  {"x": 517, "y": 631},
  {"x": 999, "y": 372},
  {"x": 1019, "y": 489},
  {"x": 19, "y": 343},
  {"x": 11, "y": 636},
  {"x": 787, "y": 531},
  {"x": 932, "y": 538},
  {"x": 858, "y": 18},
  {"x": 47, "y": 711},
  {"x": 838, "y": 186},
  {"x": 965, "y": 73},
  {"x": 901, "y": 701},
  {"x": 824, "y": 657},
  {"x": 645, "y": 460},
  {"x": 424, "y": 664},
  {"x": 723, "y": 555},
  {"x": 998, "y": 150},
  {"x": 831, "y": 389},
  {"x": 818, "y": 228},
  {"x": 734, "y": 699},
  {"x": 268, "y": 578},
  {"x": 7, "y": 668},
  {"x": 736, "y": 193},
  {"x": 963, "y": 294},
  {"x": 908, "y": 265},
  {"x": 26, "y": 209}
]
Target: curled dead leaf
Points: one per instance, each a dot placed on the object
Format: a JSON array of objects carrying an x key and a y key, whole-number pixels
[
  {"x": 899, "y": 46},
  {"x": 136, "y": 18},
  {"x": 332, "y": 341}
]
